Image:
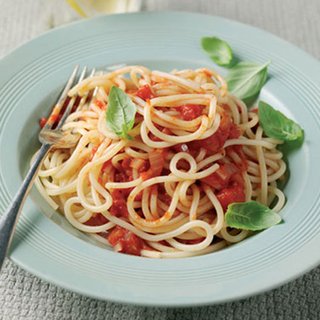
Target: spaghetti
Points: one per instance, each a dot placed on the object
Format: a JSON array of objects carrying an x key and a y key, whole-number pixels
[{"x": 194, "y": 149}]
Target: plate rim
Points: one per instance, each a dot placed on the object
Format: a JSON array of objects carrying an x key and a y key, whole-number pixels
[{"x": 29, "y": 44}]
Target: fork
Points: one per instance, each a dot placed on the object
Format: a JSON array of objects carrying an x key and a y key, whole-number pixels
[{"x": 49, "y": 135}]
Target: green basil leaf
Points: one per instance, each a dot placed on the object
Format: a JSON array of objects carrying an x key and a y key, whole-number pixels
[
  {"x": 218, "y": 50},
  {"x": 246, "y": 79},
  {"x": 120, "y": 112},
  {"x": 276, "y": 125},
  {"x": 251, "y": 216}
]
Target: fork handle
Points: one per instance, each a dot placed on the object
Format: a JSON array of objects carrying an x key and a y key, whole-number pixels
[{"x": 9, "y": 219}]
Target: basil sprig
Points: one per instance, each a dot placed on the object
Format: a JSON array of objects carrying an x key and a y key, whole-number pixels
[
  {"x": 120, "y": 113},
  {"x": 218, "y": 50},
  {"x": 251, "y": 216},
  {"x": 246, "y": 79},
  {"x": 276, "y": 125}
]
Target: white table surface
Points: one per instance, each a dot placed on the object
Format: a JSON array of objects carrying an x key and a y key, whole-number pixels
[{"x": 23, "y": 296}]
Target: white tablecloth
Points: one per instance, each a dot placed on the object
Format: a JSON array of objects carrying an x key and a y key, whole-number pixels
[{"x": 23, "y": 296}]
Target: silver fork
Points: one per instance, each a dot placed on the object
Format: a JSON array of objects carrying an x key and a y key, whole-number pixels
[{"x": 49, "y": 135}]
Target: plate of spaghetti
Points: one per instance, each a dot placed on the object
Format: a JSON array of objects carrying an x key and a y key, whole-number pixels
[
  {"x": 163, "y": 191},
  {"x": 180, "y": 173}
]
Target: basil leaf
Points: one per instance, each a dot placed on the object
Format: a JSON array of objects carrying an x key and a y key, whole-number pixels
[
  {"x": 276, "y": 125},
  {"x": 251, "y": 216},
  {"x": 120, "y": 113},
  {"x": 246, "y": 79},
  {"x": 218, "y": 50}
]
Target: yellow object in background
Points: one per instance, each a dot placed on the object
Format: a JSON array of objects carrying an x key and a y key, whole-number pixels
[{"x": 89, "y": 8}]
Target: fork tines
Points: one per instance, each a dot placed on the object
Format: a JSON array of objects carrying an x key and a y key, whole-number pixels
[{"x": 65, "y": 105}]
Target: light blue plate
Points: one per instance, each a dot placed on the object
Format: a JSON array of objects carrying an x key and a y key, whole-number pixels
[{"x": 29, "y": 80}]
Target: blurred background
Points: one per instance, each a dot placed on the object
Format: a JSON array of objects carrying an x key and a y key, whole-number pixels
[{"x": 294, "y": 20}]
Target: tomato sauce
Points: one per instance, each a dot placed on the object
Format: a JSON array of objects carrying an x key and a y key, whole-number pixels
[
  {"x": 221, "y": 178},
  {"x": 106, "y": 165},
  {"x": 215, "y": 143},
  {"x": 190, "y": 111},
  {"x": 42, "y": 122},
  {"x": 227, "y": 182},
  {"x": 100, "y": 104},
  {"x": 119, "y": 203},
  {"x": 97, "y": 219},
  {"x": 234, "y": 193},
  {"x": 145, "y": 93},
  {"x": 125, "y": 241},
  {"x": 192, "y": 241}
]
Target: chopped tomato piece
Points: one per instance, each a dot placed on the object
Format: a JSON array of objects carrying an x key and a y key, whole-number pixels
[
  {"x": 220, "y": 179},
  {"x": 229, "y": 195},
  {"x": 125, "y": 241},
  {"x": 100, "y": 104},
  {"x": 42, "y": 122},
  {"x": 125, "y": 176},
  {"x": 146, "y": 175},
  {"x": 235, "y": 131},
  {"x": 190, "y": 111},
  {"x": 97, "y": 219},
  {"x": 125, "y": 164},
  {"x": 119, "y": 204},
  {"x": 207, "y": 72},
  {"x": 116, "y": 234},
  {"x": 237, "y": 179},
  {"x": 145, "y": 92},
  {"x": 217, "y": 140}
]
